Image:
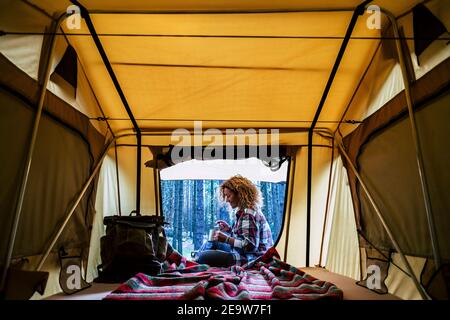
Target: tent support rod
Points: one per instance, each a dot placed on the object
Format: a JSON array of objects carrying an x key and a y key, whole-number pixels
[
  {"x": 290, "y": 191},
  {"x": 260, "y": 11},
  {"x": 159, "y": 204},
  {"x": 85, "y": 14},
  {"x": 43, "y": 90},
  {"x": 417, "y": 145},
  {"x": 327, "y": 205},
  {"x": 117, "y": 177},
  {"x": 156, "y": 182},
  {"x": 419, "y": 287},
  {"x": 78, "y": 199},
  {"x": 359, "y": 10},
  {"x": 138, "y": 171},
  {"x": 298, "y": 145}
]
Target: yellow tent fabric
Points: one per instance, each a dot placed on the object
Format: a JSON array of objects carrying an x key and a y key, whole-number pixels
[{"x": 224, "y": 68}]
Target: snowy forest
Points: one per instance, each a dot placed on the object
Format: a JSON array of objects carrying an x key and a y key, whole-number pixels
[{"x": 192, "y": 206}]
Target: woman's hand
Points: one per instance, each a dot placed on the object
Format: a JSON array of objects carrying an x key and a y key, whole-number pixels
[
  {"x": 220, "y": 236},
  {"x": 223, "y": 226}
]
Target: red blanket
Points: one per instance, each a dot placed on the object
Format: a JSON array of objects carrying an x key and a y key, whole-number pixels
[{"x": 264, "y": 279}]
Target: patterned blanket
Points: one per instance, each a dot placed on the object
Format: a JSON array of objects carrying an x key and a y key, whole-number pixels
[{"x": 264, "y": 279}]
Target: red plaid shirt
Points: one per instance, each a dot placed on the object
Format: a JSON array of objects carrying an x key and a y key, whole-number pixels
[{"x": 252, "y": 235}]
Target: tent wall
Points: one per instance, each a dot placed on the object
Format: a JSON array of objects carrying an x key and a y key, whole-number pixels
[
  {"x": 127, "y": 178},
  {"x": 343, "y": 247},
  {"x": 383, "y": 150},
  {"x": 344, "y": 255},
  {"x": 399, "y": 283},
  {"x": 381, "y": 82},
  {"x": 107, "y": 201},
  {"x": 19, "y": 83},
  {"x": 66, "y": 148},
  {"x": 82, "y": 98},
  {"x": 388, "y": 166},
  {"x": 106, "y": 204},
  {"x": 385, "y": 156},
  {"x": 297, "y": 229},
  {"x": 402, "y": 155},
  {"x": 62, "y": 163}
]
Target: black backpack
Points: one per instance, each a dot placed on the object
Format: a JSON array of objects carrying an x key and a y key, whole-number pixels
[{"x": 132, "y": 244}]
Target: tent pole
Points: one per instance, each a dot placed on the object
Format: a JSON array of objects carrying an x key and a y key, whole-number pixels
[
  {"x": 159, "y": 203},
  {"x": 85, "y": 14},
  {"x": 261, "y": 11},
  {"x": 117, "y": 176},
  {"x": 327, "y": 205},
  {"x": 417, "y": 145},
  {"x": 359, "y": 10},
  {"x": 290, "y": 192},
  {"x": 46, "y": 76},
  {"x": 418, "y": 285},
  {"x": 138, "y": 171},
  {"x": 156, "y": 184}
]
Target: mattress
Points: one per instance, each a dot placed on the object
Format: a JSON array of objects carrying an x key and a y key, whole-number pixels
[{"x": 351, "y": 290}]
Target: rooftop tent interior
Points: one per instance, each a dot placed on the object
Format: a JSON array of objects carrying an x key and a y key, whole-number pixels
[{"x": 343, "y": 100}]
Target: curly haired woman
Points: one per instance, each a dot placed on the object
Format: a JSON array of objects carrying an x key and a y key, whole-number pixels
[{"x": 249, "y": 237}]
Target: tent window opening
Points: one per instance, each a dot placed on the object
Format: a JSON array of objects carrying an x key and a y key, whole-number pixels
[{"x": 191, "y": 202}]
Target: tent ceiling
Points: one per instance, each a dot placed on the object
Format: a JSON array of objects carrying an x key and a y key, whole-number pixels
[
  {"x": 226, "y": 69},
  {"x": 397, "y": 7},
  {"x": 167, "y": 73}
]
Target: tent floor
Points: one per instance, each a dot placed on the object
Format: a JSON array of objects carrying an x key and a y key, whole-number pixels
[
  {"x": 95, "y": 292},
  {"x": 351, "y": 290}
]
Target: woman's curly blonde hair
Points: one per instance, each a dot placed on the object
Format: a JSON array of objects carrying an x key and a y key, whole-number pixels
[{"x": 247, "y": 193}]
